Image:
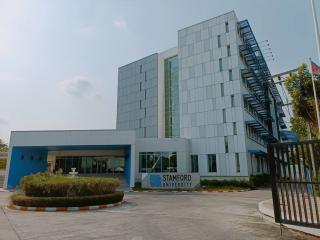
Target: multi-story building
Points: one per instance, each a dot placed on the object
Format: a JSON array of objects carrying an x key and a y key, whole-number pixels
[
  {"x": 208, "y": 105},
  {"x": 213, "y": 89}
]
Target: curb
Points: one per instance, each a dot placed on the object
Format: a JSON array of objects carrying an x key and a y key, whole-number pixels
[
  {"x": 64, "y": 209},
  {"x": 268, "y": 215},
  {"x": 184, "y": 191}
]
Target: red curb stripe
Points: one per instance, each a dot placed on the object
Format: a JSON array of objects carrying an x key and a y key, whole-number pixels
[
  {"x": 61, "y": 209},
  {"x": 40, "y": 209},
  {"x": 24, "y": 208},
  {"x": 83, "y": 208},
  {"x": 103, "y": 206}
]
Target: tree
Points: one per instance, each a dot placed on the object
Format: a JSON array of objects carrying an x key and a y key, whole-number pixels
[
  {"x": 299, "y": 86},
  {"x": 3, "y": 146}
]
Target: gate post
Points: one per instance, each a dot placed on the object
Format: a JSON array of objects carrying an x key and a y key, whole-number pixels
[{"x": 275, "y": 194}]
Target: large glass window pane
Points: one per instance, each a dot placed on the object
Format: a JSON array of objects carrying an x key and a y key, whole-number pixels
[
  {"x": 165, "y": 162},
  {"x": 89, "y": 165},
  {"x": 173, "y": 162},
  {"x": 212, "y": 163},
  {"x": 194, "y": 163},
  {"x": 157, "y": 164},
  {"x": 143, "y": 162},
  {"x": 237, "y": 162},
  {"x": 83, "y": 165},
  {"x": 219, "y": 41},
  {"x": 150, "y": 162},
  {"x": 171, "y": 84},
  {"x": 226, "y": 144}
]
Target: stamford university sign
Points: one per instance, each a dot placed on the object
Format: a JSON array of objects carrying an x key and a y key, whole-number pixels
[{"x": 170, "y": 180}]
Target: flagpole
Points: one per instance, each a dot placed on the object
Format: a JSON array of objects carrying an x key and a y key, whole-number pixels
[
  {"x": 316, "y": 28},
  {"x": 315, "y": 96}
]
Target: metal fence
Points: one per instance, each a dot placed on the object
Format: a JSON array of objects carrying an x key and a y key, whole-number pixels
[{"x": 294, "y": 169}]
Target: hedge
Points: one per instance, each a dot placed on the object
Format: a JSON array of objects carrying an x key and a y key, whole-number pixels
[
  {"x": 3, "y": 163},
  {"x": 225, "y": 183},
  {"x": 79, "y": 201},
  {"x": 262, "y": 180},
  {"x": 46, "y": 185}
]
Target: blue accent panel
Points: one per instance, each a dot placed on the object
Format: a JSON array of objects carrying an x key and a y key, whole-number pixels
[
  {"x": 127, "y": 165},
  {"x": 25, "y": 161},
  {"x": 155, "y": 181}
]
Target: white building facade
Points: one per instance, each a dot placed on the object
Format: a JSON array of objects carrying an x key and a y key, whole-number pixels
[{"x": 214, "y": 89}]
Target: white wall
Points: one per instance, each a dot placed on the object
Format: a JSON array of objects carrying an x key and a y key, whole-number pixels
[{"x": 179, "y": 145}]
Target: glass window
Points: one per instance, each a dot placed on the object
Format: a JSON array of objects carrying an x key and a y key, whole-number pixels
[
  {"x": 150, "y": 161},
  {"x": 220, "y": 65},
  {"x": 212, "y": 163},
  {"x": 227, "y": 26},
  {"x": 222, "y": 89},
  {"x": 145, "y": 76},
  {"x": 224, "y": 117},
  {"x": 173, "y": 162},
  {"x": 232, "y": 100},
  {"x": 194, "y": 163},
  {"x": 171, "y": 85},
  {"x": 234, "y": 128},
  {"x": 258, "y": 164},
  {"x": 237, "y": 162},
  {"x": 226, "y": 144},
  {"x": 165, "y": 162},
  {"x": 140, "y": 68},
  {"x": 219, "y": 41},
  {"x": 158, "y": 162},
  {"x": 230, "y": 74},
  {"x": 140, "y": 86},
  {"x": 228, "y": 51}
]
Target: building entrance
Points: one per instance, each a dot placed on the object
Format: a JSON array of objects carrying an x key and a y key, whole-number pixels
[{"x": 107, "y": 165}]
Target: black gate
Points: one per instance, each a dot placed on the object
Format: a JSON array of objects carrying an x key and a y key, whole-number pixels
[{"x": 294, "y": 169}]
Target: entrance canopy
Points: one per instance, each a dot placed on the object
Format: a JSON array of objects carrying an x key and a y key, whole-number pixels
[{"x": 92, "y": 151}]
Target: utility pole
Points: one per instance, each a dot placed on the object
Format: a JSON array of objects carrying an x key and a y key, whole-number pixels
[{"x": 316, "y": 28}]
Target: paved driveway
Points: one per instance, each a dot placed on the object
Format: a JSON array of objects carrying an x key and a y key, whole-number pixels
[{"x": 157, "y": 216}]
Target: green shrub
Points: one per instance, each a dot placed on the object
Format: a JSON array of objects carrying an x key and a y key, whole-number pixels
[
  {"x": 47, "y": 185},
  {"x": 224, "y": 183},
  {"x": 78, "y": 201},
  {"x": 3, "y": 163},
  {"x": 262, "y": 180}
]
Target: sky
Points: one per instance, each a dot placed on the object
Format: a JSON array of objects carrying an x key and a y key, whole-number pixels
[{"x": 59, "y": 59}]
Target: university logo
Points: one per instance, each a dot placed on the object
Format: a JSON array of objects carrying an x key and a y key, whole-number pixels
[{"x": 155, "y": 181}]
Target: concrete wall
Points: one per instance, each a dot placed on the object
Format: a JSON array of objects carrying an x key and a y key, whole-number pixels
[
  {"x": 137, "y": 107},
  {"x": 179, "y": 145},
  {"x": 201, "y": 98}
]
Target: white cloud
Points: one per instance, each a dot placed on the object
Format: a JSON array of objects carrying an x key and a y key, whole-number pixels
[
  {"x": 77, "y": 86},
  {"x": 120, "y": 23}
]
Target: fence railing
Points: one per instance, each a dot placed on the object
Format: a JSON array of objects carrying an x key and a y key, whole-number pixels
[{"x": 294, "y": 169}]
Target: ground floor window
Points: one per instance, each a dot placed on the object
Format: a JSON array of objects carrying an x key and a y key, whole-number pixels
[
  {"x": 237, "y": 162},
  {"x": 194, "y": 163},
  {"x": 212, "y": 163},
  {"x": 90, "y": 165},
  {"x": 157, "y": 162}
]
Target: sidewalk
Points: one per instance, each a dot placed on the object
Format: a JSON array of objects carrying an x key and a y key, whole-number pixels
[
  {"x": 266, "y": 208},
  {"x": 6, "y": 230}
]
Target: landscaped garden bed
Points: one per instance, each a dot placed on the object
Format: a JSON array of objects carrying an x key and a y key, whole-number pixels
[{"x": 46, "y": 190}]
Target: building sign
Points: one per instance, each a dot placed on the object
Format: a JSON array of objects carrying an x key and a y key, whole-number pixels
[{"x": 170, "y": 180}]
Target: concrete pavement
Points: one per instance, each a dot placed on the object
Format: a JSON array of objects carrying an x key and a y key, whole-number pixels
[{"x": 157, "y": 216}]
